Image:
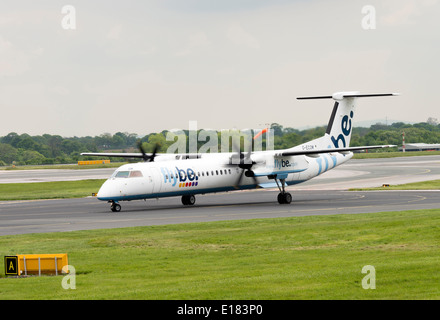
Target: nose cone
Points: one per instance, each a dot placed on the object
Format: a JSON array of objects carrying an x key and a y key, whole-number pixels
[{"x": 108, "y": 191}]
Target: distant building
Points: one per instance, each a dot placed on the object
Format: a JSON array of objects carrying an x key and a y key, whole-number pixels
[{"x": 420, "y": 147}]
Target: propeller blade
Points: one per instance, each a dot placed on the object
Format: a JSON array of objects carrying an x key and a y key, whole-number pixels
[
  {"x": 249, "y": 173},
  {"x": 146, "y": 157},
  {"x": 237, "y": 183},
  {"x": 154, "y": 152}
]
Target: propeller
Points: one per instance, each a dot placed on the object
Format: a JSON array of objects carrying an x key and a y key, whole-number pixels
[
  {"x": 146, "y": 157},
  {"x": 244, "y": 162}
]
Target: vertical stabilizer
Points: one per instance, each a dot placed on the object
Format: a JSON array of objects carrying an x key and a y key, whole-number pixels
[
  {"x": 341, "y": 121},
  {"x": 340, "y": 125}
]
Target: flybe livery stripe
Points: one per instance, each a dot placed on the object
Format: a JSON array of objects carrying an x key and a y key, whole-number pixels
[
  {"x": 174, "y": 193},
  {"x": 327, "y": 163},
  {"x": 184, "y": 192}
]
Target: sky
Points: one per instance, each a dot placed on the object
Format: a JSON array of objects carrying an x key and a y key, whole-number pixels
[{"x": 153, "y": 65}]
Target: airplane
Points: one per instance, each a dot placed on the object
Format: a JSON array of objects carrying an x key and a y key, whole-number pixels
[{"x": 188, "y": 175}]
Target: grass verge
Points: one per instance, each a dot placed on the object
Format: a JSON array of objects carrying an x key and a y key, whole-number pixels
[
  {"x": 374, "y": 155},
  {"x": 313, "y": 257},
  {"x": 65, "y": 166},
  {"x": 423, "y": 185},
  {"x": 49, "y": 190}
]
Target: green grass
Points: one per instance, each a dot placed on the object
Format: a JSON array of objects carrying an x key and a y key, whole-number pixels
[
  {"x": 374, "y": 155},
  {"x": 65, "y": 166},
  {"x": 313, "y": 257},
  {"x": 423, "y": 185},
  {"x": 49, "y": 190}
]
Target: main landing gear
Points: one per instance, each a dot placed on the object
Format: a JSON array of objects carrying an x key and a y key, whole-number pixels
[
  {"x": 283, "y": 197},
  {"x": 115, "y": 207},
  {"x": 188, "y": 200}
]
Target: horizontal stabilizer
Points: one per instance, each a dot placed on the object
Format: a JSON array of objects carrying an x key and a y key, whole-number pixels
[
  {"x": 341, "y": 95},
  {"x": 311, "y": 152}
]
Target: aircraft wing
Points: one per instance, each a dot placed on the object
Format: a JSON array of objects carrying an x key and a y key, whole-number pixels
[
  {"x": 121, "y": 155},
  {"x": 319, "y": 151},
  {"x": 285, "y": 153},
  {"x": 161, "y": 156}
]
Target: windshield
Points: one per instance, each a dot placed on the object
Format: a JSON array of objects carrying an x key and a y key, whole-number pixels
[{"x": 128, "y": 174}]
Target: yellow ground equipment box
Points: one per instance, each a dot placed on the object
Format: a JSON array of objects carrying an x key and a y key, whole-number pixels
[
  {"x": 27, "y": 264},
  {"x": 81, "y": 163}
]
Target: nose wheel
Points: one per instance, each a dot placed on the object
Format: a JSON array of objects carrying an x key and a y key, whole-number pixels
[{"x": 115, "y": 207}]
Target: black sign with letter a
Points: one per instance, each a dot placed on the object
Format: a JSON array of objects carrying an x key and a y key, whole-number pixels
[{"x": 11, "y": 265}]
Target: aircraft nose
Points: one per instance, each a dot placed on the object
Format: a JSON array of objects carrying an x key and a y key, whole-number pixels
[{"x": 107, "y": 191}]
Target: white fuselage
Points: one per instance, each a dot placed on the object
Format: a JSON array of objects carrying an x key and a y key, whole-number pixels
[{"x": 212, "y": 173}]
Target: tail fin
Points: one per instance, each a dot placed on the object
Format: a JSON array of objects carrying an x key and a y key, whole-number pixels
[{"x": 339, "y": 129}]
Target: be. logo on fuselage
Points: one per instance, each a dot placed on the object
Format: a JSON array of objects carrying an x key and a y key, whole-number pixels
[
  {"x": 346, "y": 130},
  {"x": 187, "y": 176},
  {"x": 281, "y": 163}
]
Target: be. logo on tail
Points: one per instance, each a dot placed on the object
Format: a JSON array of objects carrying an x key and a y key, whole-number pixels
[{"x": 346, "y": 130}]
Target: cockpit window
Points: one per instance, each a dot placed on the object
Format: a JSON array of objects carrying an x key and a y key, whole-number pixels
[
  {"x": 128, "y": 174},
  {"x": 135, "y": 174},
  {"x": 122, "y": 174}
]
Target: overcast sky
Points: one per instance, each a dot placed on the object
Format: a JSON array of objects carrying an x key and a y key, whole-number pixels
[{"x": 146, "y": 66}]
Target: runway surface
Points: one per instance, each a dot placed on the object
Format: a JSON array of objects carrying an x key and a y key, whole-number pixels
[
  {"x": 326, "y": 194},
  {"x": 88, "y": 213}
]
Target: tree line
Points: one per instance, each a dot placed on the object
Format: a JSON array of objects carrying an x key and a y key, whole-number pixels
[{"x": 24, "y": 149}]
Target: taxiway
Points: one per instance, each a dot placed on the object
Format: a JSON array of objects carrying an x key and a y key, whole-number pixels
[{"x": 326, "y": 194}]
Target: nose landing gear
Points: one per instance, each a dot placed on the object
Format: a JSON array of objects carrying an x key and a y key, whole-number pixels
[{"x": 114, "y": 206}]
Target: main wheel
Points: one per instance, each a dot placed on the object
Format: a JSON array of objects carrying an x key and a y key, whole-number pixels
[
  {"x": 191, "y": 200},
  {"x": 287, "y": 198},
  {"x": 280, "y": 198},
  {"x": 284, "y": 198},
  {"x": 188, "y": 200}
]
